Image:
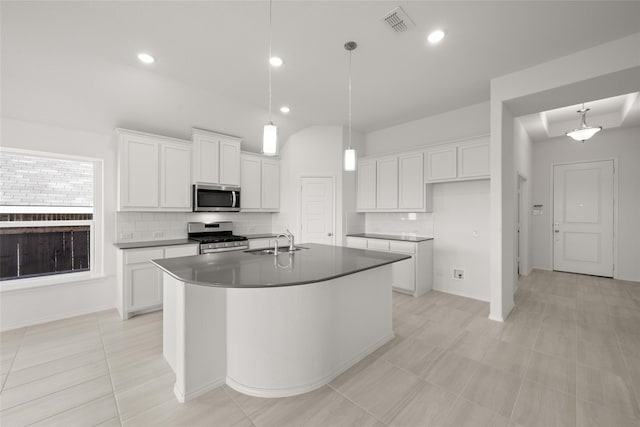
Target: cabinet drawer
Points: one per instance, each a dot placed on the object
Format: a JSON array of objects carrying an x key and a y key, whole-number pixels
[
  {"x": 143, "y": 255},
  {"x": 402, "y": 247},
  {"x": 178, "y": 251},
  {"x": 378, "y": 245},
  {"x": 356, "y": 242}
]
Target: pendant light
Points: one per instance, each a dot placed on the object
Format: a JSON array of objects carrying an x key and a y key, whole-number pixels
[
  {"x": 270, "y": 134},
  {"x": 350, "y": 153},
  {"x": 583, "y": 132}
]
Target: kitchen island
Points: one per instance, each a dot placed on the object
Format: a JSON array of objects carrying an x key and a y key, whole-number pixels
[{"x": 273, "y": 326}]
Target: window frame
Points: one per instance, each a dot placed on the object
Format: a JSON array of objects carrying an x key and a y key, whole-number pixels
[{"x": 96, "y": 226}]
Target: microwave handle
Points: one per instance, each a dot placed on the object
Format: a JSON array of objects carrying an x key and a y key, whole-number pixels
[{"x": 233, "y": 199}]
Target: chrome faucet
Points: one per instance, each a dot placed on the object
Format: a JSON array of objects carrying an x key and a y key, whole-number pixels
[{"x": 290, "y": 238}]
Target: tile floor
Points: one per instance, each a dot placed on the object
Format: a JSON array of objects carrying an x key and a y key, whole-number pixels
[{"x": 568, "y": 355}]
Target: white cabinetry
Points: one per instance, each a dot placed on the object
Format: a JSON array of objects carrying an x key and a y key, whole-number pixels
[
  {"x": 216, "y": 158},
  {"x": 267, "y": 242},
  {"x": 393, "y": 184},
  {"x": 140, "y": 282},
  {"x": 260, "y": 183},
  {"x": 458, "y": 161},
  {"x": 387, "y": 183},
  {"x": 153, "y": 172},
  {"x": 414, "y": 275}
]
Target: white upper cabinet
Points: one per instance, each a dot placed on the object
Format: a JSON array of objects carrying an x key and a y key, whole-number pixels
[
  {"x": 175, "y": 173},
  {"x": 411, "y": 188},
  {"x": 153, "y": 172},
  {"x": 458, "y": 161},
  {"x": 366, "y": 198},
  {"x": 216, "y": 158},
  {"x": 393, "y": 184},
  {"x": 259, "y": 183},
  {"x": 387, "y": 183},
  {"x": 473, "y": 160}
]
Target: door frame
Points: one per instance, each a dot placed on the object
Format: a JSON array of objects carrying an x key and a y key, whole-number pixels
[
  {"x": 615, "y": 207},
  {"x": 334, "y": 207}
]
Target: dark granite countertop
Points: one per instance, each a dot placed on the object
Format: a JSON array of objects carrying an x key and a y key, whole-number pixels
[
  {"x": 154, "y": 243},
  {"x": 260, "y": 236},
  {"x": 414, "y": 239},
  {"x": 239, "y": 269}
]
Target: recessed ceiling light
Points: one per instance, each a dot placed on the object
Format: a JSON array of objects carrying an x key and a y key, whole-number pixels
[
  {"x": 276, "y": 61},
  {"x": 284, "y": 109},
  {"x": 146, "y": 58},
  {"x": 435, "y": 36}
]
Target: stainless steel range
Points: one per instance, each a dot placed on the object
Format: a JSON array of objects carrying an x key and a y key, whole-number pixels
[{"x": 216, "y": 237}]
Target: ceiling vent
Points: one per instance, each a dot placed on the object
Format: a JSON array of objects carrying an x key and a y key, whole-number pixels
[{"x": 398, "y": 20}]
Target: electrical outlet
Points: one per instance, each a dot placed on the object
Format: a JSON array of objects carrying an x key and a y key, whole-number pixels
[
  {"x": 458, "y": 274},
  {"x": 158, "y": 233}
]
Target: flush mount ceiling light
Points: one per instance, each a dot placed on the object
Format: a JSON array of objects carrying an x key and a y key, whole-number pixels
[
  {"x": 350, "y": 153},
  {"x": 435, "y": 36},
  {"x": 146, "y": 58},
  {"x": 270, "y": 133},
  {"x": 584, "y": 132},
  {"x": 284, "y": 109},
  {"x": 276, "y": 61}
]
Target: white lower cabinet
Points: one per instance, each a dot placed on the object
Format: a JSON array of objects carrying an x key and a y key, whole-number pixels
[
  {"x": 140, "y": 282},
  {"x": 267, "y": 243},
  {"x": 413, "y": 276}
]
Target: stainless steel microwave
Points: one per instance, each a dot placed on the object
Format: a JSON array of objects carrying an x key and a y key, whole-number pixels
[{"x": 216, "y": 198}]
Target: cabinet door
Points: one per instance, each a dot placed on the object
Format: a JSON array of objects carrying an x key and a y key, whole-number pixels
[
  {"x": 411, "y": 186},
  {"x": 175, "y": 176},
  {"x": 138, "y": 172},
  {"x": 206, "y": 159},
  {"x": 144, "y": 286},
  {"x": 366, "y": 197},
  {"x": 404, "y": 275},
  {"x": 473, "y": 160},
  {"x": 270, "y": 178},
  {"x": 230, "y": 162},
  {"x": 259, "y": 243},
  {"x": 250, "y": 183},
  {"x": 441, "y": 164},
  {"x": 387, "y": 183},
  {"x": 378, "y": 245}
]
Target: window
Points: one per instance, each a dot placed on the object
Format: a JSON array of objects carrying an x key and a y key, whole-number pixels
[{"x": 49, "y": 216}]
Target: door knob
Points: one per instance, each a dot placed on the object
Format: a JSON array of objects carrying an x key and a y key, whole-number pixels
[
  {"x": 329, "y": 234},
  {"x": 556, "y": 227}
]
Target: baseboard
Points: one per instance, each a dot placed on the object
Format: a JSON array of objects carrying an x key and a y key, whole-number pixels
[
  {"x": 182, "y": 398},
  {"x": 46, "y": 319},
  {"x": 460, "y": 294},
  {"x": 305, "y": 388}
]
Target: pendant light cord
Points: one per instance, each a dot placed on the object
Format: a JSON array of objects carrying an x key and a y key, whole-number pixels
[
  {"x": 349, "y": 99},
  {"x": 269, "y": 61}
]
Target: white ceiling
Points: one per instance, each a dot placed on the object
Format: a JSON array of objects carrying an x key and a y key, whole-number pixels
[
  {"x": 617, "y": 111},
  {"x": 74, "y": 63}
]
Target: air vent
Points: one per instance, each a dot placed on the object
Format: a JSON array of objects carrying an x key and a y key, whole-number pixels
[{"x": 398, "y": 20}]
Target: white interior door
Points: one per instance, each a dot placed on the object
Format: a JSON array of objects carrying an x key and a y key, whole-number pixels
[
  {"x": 583, "y": 218},
  {"x": 316, "y": 210}
]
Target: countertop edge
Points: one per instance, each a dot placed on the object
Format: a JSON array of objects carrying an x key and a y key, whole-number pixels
[
  {"x": 416, "y": 239},
  {"x": 280, "y": 285},
  {"x": 154, "y": 243}
]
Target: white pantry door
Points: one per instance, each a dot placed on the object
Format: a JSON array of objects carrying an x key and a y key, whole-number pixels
[
  {"x": 583, "y": 218},
  {"x": 316, "y": 210}
]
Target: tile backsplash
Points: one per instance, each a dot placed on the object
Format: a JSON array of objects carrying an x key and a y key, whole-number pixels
[
  {"x": 404, "y": 224},
  {"x": 146, "y": 226}
]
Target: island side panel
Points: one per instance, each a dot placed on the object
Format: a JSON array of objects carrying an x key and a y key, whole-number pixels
[
  {"x": 290, "y": 340},
  {"x": 201, "y": 334}
]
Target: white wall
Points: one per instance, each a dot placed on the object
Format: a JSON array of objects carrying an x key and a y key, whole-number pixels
[
  {"x": 523, "y": 162},
  {"x": 463, "y": 123},
  {"x": 623, "y": 144},
  {"x": 461, "y": 238},
  {"x": 36, "y": 305},
  {"x": 313, "y": 152}
]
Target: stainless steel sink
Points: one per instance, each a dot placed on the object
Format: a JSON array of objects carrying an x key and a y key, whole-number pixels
[{"x": 271, "y": 251}]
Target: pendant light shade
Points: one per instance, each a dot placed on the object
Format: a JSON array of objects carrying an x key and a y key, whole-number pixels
[
  {"x": 270, "y": 133},
  {"x": 584, "y": 132},
  {"x": 350, "y": 153},
  {"x": 349, "y": 159},
  {"x": 270, "y": 140}
]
